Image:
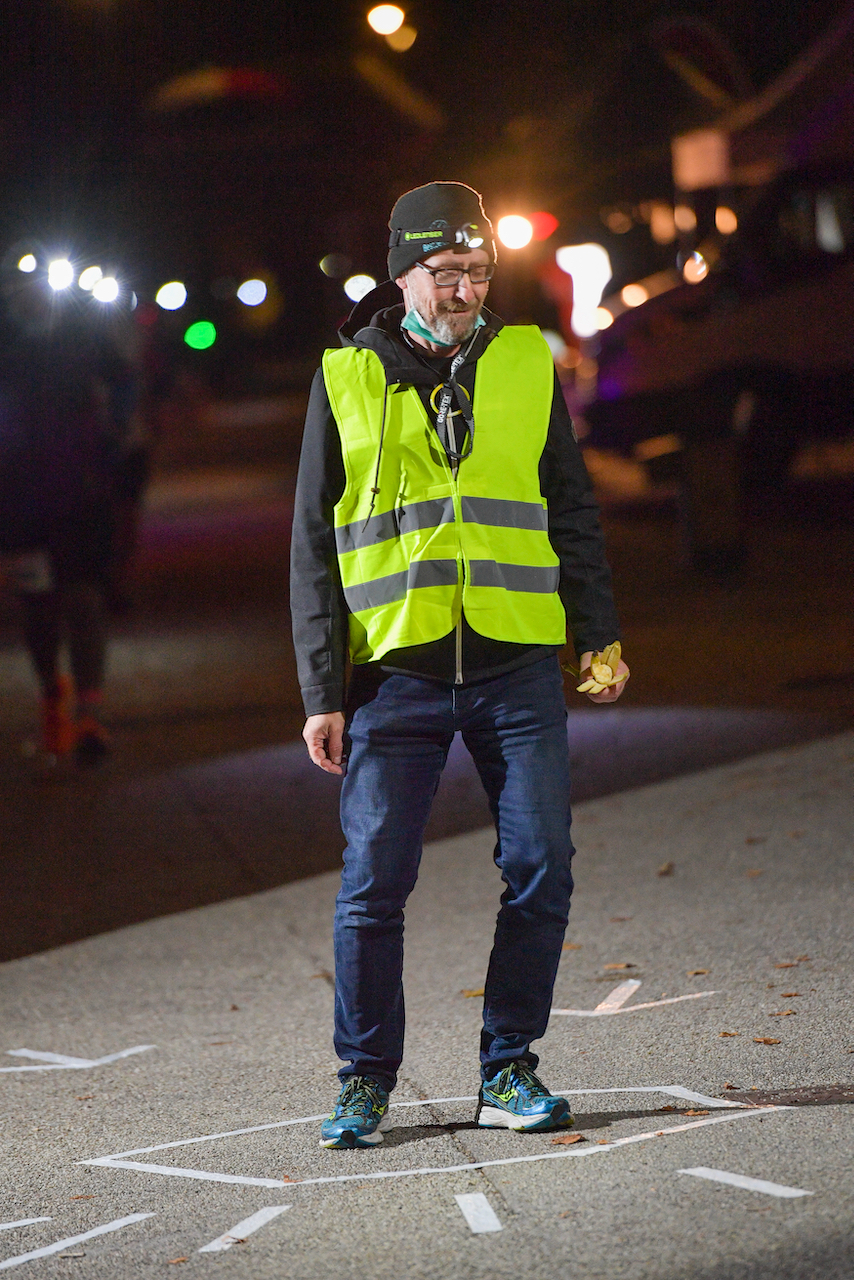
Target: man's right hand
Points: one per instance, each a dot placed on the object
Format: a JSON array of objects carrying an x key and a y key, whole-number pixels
[{"x": 324, "y": 737}]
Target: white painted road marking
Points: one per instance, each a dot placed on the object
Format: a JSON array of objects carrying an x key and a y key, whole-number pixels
[
  {"x": 618, "y": 996},
  {"x": 670, "y": 1090},
  {"x": 62, "y": 1062},
  {"x": 748, "y": 1184},
  {"x": 478, "y": 1212},
  {"x": 245, "y": 1228},
  {"x": 22, "y": 1222},
  {"x": 114, "y": 1162},
  {"x": 72, "y": 1240},
  {"x": 615, "y": 1002}
]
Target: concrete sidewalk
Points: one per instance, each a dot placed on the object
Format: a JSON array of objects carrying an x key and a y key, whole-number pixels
[{"x": 739, "y": 958}]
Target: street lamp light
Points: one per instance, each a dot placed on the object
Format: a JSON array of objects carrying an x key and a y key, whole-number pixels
[
  {"x": 514, "y": 231},
  {"x": 386, "y": 19}
]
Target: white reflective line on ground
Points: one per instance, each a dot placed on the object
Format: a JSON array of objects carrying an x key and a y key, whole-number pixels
[
  {"x": 618, "y": 996},
  {"x": 170, "y": 1171},
  {"x": 747, "y": 1184},
  {"x": 22, "y": 1222},
  {"x": 238, "y": 1233},
  {"x": 72, "y": 1240},
  {"x": 478, "y": 1212},
  {"x": 105, "y": 1162},
  {"x": 600, "y": 1012},
  {"x": 673, "y": 1090},
  {"x": 62, "y": 1062},
  {"x": 61, "y": 1058}
]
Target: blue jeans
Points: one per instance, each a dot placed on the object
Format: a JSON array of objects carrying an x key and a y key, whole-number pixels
[{"x": 400, "y": 729}]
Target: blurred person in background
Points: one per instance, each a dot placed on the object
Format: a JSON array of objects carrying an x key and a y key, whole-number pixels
[
  {"x": 445, "y": 536},
  {"x": 66, "y": 408}
]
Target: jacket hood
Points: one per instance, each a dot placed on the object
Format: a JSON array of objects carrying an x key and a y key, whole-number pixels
[{"x": 374, "y": 323}]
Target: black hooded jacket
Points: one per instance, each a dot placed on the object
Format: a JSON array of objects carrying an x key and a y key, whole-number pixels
[{"x": 318, "y": 609}]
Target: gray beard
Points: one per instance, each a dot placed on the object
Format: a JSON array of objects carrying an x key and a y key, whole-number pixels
[{"x": 443, "y": 331}]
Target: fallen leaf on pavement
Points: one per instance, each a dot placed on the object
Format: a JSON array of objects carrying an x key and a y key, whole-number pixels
[
  {"x": 81, "y": 1197},
  {"x": 475, "y": 991},
  {"x": 571, "y": 946},
  {"x": 603, "y": 1142},
  {"x": 695, "y": 973},
  {"x": 566, "y": 1139},
  {"x": 728, "y": 1085},
  {"x": 666, "y": 869},
  {"x": 235, "y": 1008},
  {"x": 765, "y": 1040},
  {"x": 84, "y": 1097},
  {"x": 174, "y": 1260},
  {"x": 787, "y": 964},
  {"x": 619, "y": 966},
  {"x": 756, "y": 839},
  {"x": 783, "y": 1013},
  {"x": 667, "y": 1107},
  {"x": 802, "y": 958},
  {"x": 789, "y": 995},
  {"x": 754, "y": 872},
  {"x": 722, "y": 1035},
  {"x": 287, "y": 1178},
  {"x": 695, "y": 1113}
]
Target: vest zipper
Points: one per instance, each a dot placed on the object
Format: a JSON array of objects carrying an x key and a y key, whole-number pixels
[{"x": 458, "y": 629}]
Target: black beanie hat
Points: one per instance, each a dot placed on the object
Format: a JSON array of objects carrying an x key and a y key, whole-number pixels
[{"x": 440, "y": 215}]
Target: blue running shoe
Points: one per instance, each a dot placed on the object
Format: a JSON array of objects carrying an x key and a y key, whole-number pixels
[
  {"x": 360, "y": 1113},
  {"x": 517, "y": 1099}
]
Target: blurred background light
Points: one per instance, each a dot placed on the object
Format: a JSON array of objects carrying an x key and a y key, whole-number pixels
[
  {"x": 252, "y": 293},
  {"x": 695, "y": 268},
  {"x": 543, "y": 224},
  {"x": 590, "y": 268},
  {"x": 89, "y": 277},
  {"x": 402, "y": 39},
  {"x": 27, "y": 263},
  {"x": 106, "y": 289},
  {"x": 725, "y": 220},
  {"x": 633, "y": 295},
  {"x": 171, "y": 296},
  {"x": 662, "y": 226},
  {"x": 617, "y": 220},
  {"x": 200, "y": 335},
  {"x": 60, "y": 274},
  {"x": 555, "y": 343},
  {"x": 684, "y": 217},
  {"x": 358, "y": 287},
  {"x": 335, "y": 265},
  {"x": 514, "y": 231},
  {"x": 604, "y": 318},
  {"x": 386, "y": 18}
]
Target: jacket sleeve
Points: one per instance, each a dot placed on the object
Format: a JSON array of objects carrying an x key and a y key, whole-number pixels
[
  {"x": 576, "y": 535},
  {"x": 318, "y": 610}
]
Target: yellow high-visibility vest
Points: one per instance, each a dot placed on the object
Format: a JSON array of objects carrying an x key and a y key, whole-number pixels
[{"x": 433, "y": 545}]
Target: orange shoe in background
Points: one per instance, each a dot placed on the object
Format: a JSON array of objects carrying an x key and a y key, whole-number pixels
[{"x": 58, "y": 729}]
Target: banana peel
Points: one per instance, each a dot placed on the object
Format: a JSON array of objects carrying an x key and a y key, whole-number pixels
[{"x": 601, "y": 674}]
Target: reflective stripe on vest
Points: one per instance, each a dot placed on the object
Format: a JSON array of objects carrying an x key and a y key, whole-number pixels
[{"x": 432, "y": 546}]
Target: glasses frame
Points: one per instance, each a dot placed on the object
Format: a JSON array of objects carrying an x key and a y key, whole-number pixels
[{"x": 461, "y": 271}]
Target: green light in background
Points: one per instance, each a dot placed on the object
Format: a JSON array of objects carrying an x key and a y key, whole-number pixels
[{"x": 200, "y": 335}]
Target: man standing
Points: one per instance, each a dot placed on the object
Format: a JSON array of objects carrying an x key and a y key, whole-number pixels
[{"x": 445, "y": 534}]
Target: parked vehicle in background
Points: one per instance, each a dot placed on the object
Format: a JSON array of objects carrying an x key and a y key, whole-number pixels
[{"x": 727, "y": 378}]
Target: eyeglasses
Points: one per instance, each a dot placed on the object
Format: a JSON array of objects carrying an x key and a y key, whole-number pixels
[{"x": 447, "y": 276}]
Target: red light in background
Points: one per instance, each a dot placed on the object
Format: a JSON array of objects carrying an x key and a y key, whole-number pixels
[{"x": 544, "y": 224}]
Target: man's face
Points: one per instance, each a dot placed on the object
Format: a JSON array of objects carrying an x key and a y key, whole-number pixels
[{"x": 449, "y": 311}]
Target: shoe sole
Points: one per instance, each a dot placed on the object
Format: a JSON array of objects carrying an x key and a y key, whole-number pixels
[
  {"x": 494, "y": 1118},
  {"x": 348, "y": 1140}
]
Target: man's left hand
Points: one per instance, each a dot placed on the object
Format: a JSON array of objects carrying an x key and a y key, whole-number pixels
[{"x": 612, "y": 693}]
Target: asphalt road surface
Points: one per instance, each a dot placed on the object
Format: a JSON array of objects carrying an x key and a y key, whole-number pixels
[{"x": 712, "y": 920}]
